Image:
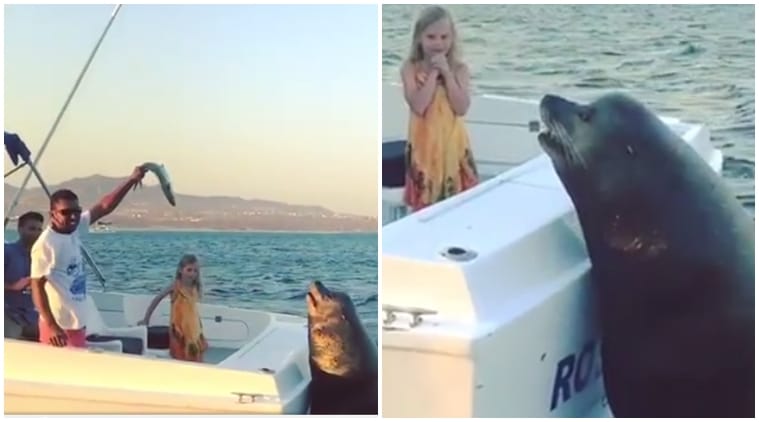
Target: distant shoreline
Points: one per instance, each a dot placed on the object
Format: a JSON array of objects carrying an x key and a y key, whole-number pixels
[{"x": 208, "y": 230}]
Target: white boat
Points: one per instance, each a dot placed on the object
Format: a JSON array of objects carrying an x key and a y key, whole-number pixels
[
  {"x": 102, "y": 228},
  {"x": 498, "y": 276},
  {"x": 257, "y": 363}
]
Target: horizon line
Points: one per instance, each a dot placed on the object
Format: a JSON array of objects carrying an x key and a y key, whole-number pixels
[{"x": 157, "y": 185}]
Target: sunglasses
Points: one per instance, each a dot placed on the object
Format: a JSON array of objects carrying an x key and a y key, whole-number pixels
[{"x": 66, "y": 212}]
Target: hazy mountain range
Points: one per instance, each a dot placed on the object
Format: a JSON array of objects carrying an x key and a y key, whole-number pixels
[{"x": 148, "y": 208}]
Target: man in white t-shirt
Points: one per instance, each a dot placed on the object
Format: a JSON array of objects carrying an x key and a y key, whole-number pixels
[{"x": 59, "y": 284}]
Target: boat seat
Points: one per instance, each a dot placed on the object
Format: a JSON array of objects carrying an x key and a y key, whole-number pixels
[
  {"x": 129, "y": 345},
  {"x": 394, "y": 163},
  {"x": 134, "y": 340},
  {"x": 111, "y": 345},
  {"x": 158, "y": 337}
]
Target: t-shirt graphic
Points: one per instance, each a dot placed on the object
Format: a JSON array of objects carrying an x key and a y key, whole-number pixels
[{"x": 78, "y": 288}]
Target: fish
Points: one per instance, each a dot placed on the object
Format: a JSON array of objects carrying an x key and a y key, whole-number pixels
[{"x": 163, "y": 178}]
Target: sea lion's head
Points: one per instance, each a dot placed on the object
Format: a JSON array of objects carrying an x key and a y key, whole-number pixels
[
  {"x": 335, "y": 334},
  {"x": 607, "y": 145},
  {"x": 619, "y": 163}
]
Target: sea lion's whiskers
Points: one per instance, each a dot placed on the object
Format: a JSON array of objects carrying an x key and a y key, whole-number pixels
[{"x": 571, "y": 153}]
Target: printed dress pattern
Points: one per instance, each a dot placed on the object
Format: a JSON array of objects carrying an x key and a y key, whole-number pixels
[
  {"x": 186, "y": 340},
  {"x": 439, "y": 161}
]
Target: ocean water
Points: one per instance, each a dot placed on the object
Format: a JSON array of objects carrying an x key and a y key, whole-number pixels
[
  {"x": 263, "y": 271},
  {"x": 694, "y": 62}
]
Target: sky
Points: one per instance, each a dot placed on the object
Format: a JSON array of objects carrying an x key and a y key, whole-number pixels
[{"x": 256, "y": 101}]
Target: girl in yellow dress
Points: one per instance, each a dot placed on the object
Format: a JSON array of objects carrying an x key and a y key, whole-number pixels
[
  {"x": 186, "y": 339},
  {"x": 439, "y": 161}
]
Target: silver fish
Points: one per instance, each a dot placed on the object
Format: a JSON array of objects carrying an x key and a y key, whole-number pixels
[{"x": 163, "y": 178}]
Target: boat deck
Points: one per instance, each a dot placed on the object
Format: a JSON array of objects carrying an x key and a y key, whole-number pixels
[{"x": 213, "y": 356}]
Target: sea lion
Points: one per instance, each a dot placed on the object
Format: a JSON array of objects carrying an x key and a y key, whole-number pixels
[
  {"x": 342, "y": 357},
  {"x": 672, "y": 254}
]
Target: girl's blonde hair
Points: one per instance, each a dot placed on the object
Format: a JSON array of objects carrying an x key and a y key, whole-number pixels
[
  {"x": 189, "y": 259},
  {"x": 428, "y": 16}
]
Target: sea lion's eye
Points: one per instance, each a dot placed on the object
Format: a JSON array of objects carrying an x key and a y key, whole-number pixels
[{"x": 585, "y": 114}]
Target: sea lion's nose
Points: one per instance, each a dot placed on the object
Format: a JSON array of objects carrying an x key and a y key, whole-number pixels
[
  {"x": 320, "y": 288},
  {"x": 555, "y": 103},
  {"x": 550, "y": 101}
]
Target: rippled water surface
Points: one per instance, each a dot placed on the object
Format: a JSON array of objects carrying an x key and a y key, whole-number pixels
[
  {"x": 695, "y": 62},
  {"x": 264, "y": 271}
]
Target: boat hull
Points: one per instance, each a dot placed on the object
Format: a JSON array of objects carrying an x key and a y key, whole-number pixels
[{"x": 261, "y": 369}]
